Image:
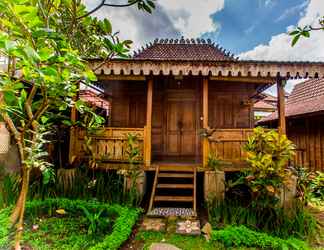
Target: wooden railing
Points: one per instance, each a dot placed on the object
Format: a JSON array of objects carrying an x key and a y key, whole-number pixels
[
  {"x": 227, "y": 144},
  {"x": 111, "y": 144}
]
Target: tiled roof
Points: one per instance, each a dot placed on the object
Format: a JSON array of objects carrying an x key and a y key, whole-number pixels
[
  {"x": 184, "y": 49},
  {"x": 93, "y": 99},
  {"x": 306, "y": 97},
  {"x": 263, "y": 105}
]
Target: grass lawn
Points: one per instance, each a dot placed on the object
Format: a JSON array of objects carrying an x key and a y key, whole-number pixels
[
  {"x": 145, "y": 239},
  {"x": 61, "y": 233}
]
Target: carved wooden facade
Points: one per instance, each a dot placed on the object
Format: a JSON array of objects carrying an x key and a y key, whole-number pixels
[{"x": 169, "y": 103}]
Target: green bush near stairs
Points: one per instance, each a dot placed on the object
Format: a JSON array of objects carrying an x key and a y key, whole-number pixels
[
  {"x": 121, "y": 229},
  {"x": 241, "y": 236}
]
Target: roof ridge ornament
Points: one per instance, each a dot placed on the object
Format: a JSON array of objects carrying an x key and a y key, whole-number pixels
[{"x": 182, "y": 40}]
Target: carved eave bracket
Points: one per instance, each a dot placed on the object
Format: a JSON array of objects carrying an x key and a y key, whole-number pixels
[{"x": 258, "y": 69}]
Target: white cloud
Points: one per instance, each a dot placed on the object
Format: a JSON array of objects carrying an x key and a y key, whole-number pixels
[
  {"x": 279, "y": 47},
  {"x": 189, "y": 18},
  {"x": 192, "y": 17}
]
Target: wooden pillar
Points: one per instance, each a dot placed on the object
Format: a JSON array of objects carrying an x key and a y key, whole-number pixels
[
  {"x": 148, "y": 134},
  {"x": 73, "y": 136},
  {"x": 281, "y": 106},
  {"x": 205, "y": 121}
]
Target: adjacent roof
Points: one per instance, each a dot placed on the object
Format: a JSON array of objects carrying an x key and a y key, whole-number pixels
[
  {"x": 183, "y": 49},
  {"x": 307, "y": 97},
  {"x": 93, "y": 99},
  {"x": 262, "y": 105}
]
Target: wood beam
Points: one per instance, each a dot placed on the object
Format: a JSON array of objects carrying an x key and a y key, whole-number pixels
[
  {"x": 121, "y": 77},
  {"x": 255, "y": 80},
  {"x": 148, "y": 134},
  {"x": 281, "y": 106},
  {"x": 205, "y": 121}
]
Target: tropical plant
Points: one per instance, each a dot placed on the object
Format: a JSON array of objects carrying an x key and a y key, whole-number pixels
[
  {"x": 95, "y": 220},
  {"x": 268, "y": 154},
  {"x": 303, "y": 183},
  {"x": 317, "y": 185},
  {"x": 133, "y": 173},
  {"x": 300, "y": 224},
  {"x": 213, "y": 162}
]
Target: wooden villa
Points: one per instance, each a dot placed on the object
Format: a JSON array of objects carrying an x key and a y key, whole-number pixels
[{"x": 185, "y": 100}]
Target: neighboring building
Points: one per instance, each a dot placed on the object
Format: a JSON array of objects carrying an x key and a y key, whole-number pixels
[
  {"x": 305, "y": 122},
  {"x": 184, "y": 100},
  {"x": 265, "y": 105}
]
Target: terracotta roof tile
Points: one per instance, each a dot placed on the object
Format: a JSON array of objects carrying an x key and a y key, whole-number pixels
[
  {"x": 306, "y": 97},
  {"x": 184, "y": 49},
  {"x": 263, "y": 105}
]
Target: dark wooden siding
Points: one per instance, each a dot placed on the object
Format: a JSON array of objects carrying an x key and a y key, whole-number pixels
[
  {"x": 228, "y": 105},
  {"x": 308, "y": 135}
]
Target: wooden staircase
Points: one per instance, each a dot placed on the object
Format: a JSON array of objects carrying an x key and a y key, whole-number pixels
[{"x": 172, "y": 180}]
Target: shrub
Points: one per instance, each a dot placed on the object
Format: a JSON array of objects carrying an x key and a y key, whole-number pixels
[
  {"x": 241, "y": 236},
  {"x": 268, "y": 154},
  {"x": 121, "y": 229},
  {"x": 299, "y": 224},
  {"x": 317, "y": 186}
]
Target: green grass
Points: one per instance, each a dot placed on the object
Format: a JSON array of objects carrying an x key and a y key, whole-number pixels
[
  {"x": 56, "y": 233},
  {"x": 70, "y": 231},
  {"x": 181, "y": 241}
]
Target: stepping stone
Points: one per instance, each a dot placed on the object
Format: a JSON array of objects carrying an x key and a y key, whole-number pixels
[
  {"x": 163, "y": 246},
  {"x": 172, "y": 211},
  {"x": 188, "y": 227},
  {"x": 154, "y": 224}
]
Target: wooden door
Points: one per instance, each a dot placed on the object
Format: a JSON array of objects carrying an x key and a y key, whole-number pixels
[{"x": 181, "y": 124}]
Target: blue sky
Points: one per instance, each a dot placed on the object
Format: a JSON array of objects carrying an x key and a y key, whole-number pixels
[
  {"x": 251, "y": 29},
  {"x": 243, "y": 24}
]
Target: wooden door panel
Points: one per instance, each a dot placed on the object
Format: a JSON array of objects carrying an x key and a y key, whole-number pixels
[
  {"x": 188, "y": 144},
  {"x": 181, "y": 124}
]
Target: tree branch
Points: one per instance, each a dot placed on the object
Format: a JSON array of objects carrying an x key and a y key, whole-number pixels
[{"x": 103, "y": 3}]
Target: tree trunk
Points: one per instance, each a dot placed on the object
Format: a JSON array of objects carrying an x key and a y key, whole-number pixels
[{"x": 19, "y": 211}]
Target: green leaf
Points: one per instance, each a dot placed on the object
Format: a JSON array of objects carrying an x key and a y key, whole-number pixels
[
  {"x": 295, "y": 40},
  {"x": 151, "y": 3},
  {"x": 295, "y": 32},
  {"x": 107, "y": 26},
  {"x": 305, "y": 33},
  {"x": 9, "y": 97},
  {"x": 147, "y": 8},
  {"x": 44, "y": 119}
]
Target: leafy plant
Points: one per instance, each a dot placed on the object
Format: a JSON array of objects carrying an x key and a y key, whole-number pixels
[
  {"x": 268, "y": 154},
  {"x": 303, "y": 183},
  {"x": 95, "y": 220},
  {"x": 241, "y": 236},
  {"x": 133, "y": 173},
  {"x": 317, "y": 185},
  {"x": 9, "y": 189},
  {"x": 213, "y": 162},
  {"x": 274, "y": 221}
]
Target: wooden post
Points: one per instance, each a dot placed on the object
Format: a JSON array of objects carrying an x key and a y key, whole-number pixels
[
  {"x": 73, "y": 136},
  {"x": 281, "y": 106},
  {"x": 148, "y": 141},
  {"x": 205, "y": 121}
]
